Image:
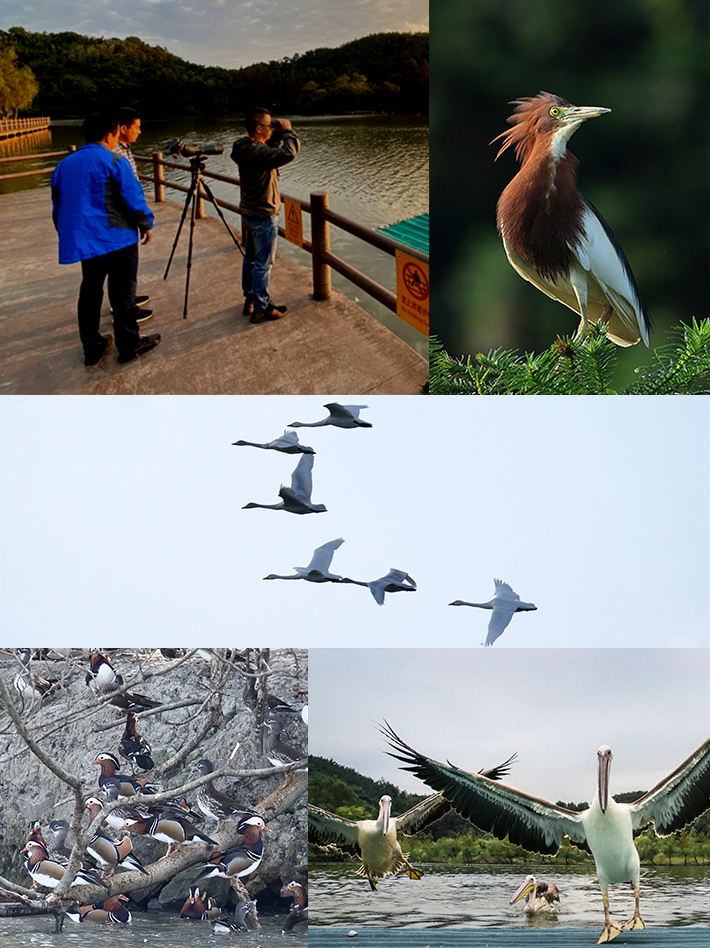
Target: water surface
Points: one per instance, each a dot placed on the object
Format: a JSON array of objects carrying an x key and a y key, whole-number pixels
[{"x": 478, "y": 896}]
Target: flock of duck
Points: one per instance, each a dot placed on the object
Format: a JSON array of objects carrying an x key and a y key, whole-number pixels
[
  {"x": 174, "y": 823},
  {"x": 606, "y": 829}
]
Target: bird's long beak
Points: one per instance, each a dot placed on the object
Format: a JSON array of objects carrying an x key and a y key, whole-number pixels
[
  {"x": 386, "y": 804},
  {"x": 526, "y": 887},
  {"x": 604, "y": 757},
  {"x": 578, "y": 113}
]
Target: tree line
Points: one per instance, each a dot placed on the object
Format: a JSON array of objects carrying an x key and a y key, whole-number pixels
[{"x": 78, "y": 74}]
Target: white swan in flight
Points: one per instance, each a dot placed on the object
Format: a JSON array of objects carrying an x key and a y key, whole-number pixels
[
  {"x": 318, "y": 570},
  {"x": 504, "y": 604},
  {"x": 296, "y": 498},
  {"x": 395, "y": 581},
  {"x": 341, "y": 416},
  {"x": 288, "y": 443}
]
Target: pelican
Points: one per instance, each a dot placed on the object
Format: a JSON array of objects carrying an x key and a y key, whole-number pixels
[
  {"x": 296, "y": 498},
  {"x": 288, "y": 443},
  {"x": 606, "y": 828},
  {"x": 539, "y": 896},
  {"x": 504, "y": 603},
  {"x": 375, "y": 841},
  {"x": 395, "y": 581},
  {"x": 341, "y": 416},
  {"x": 317, "y": 570}
]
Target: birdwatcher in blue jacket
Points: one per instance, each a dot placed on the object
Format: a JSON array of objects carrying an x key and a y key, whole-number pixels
[{"x": 100, "y": 211}]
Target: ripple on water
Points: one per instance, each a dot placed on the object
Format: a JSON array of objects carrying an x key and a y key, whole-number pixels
[{"x": 478, "y": 897}]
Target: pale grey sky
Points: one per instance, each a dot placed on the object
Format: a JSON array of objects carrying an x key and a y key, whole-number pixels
[
  {"x": 474, "y": 708},
  {"x": 121, "y": 518},
  {"x": 229, "y": 33}
]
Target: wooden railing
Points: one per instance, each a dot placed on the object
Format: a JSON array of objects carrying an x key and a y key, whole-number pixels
[
  {"x": 322, "y": 257},
  {"x": 10, "y": 127}
]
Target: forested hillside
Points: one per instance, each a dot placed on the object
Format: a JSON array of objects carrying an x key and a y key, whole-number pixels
[{"x": 77, "y": 74}]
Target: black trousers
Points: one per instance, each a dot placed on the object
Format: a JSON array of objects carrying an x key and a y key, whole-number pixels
[{"x": 121, "y": 268}]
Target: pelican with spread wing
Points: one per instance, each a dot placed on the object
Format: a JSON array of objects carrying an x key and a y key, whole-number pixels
[
  {"x": 606, "y": 829},
  {"x": 375, "y": 841}
]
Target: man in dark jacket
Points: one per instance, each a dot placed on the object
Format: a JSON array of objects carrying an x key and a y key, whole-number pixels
[
  {"x": 260, "y": 204},
  {"x": 99, "y": 209}
]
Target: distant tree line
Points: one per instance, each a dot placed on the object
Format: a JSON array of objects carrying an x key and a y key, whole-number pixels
[
  {"x": 452, "y": 839},
  {"x": 18, "y": 85},
  {"x": 77, "y": 74}
]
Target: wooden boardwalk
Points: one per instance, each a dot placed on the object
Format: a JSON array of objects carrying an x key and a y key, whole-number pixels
[
  {"x": 327, "y": 348},
  {"x": 669, "y": 937}
]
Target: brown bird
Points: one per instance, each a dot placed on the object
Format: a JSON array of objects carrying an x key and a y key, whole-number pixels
[
  {"x": 553, "y": 236},
  {"x": 134, "y": 747}
]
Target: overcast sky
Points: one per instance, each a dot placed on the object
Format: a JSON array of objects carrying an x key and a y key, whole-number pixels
[
  {"x": 229, "y": 33},
  {"x": 121, "y": 518},
  {"x": 477, "y": 707}
]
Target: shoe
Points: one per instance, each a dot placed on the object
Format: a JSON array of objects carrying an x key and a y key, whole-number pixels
[
  {"x": 142, "y": 300},
  {"x": 92, "y": 360},
  {"x": 145, "y": 345},
  {"x": 248, "y": 307},
  {"x": 144, "y": 315},
  {"x": 271, "y": 312}
]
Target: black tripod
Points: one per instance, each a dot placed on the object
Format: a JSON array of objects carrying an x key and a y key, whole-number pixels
[{"x": 197, "y": 166}]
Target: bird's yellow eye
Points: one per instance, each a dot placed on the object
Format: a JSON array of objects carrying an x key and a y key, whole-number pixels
[{"x": 554, "y": 110}]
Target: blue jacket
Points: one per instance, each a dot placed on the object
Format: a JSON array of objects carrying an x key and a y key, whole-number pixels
[{"x": 98, "y": 205}]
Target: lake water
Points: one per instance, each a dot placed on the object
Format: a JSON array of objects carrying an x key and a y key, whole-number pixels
[
  {"x": 477, "y": 897},
  {"x": 375, "y": 169},
  {"x": 147, "y": 929}
]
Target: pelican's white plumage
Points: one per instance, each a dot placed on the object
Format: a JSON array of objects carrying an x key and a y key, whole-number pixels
[
  {"x": 288, "y": 443},
  {"x": 340, "y": 416},
  {"x": 296, "y": 498},
  {"x": 505, "y": 603},
  {"x": 606, "y": 828},
  {"x": 318, "y": 570}
]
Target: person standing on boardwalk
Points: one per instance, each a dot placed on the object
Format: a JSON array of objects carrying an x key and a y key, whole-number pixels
[
  {"x": 99, "y": 211},
  {"x": 129, "y": 130},
  {"x": 260, "y": 205}
]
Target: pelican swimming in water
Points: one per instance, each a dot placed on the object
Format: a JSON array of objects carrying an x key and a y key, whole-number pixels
[
  {"x": 395, "y": 581},
  {"x": 375, "y": 841},
  {"x": 296, "y": 498},
  {"x": 504, "y": 604},
  {"x": 318, "y": 570},
  {"x": 288, "y": 443},
  {"x": 539, "y": 896},
  {"x": 606, "y": 828},
  {"x": 341, "y": 416}
]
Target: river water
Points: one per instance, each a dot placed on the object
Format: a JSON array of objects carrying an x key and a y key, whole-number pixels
[
  {"x": 147, "y": 929},
  {"x": 375, "y": 169},
  {"x": 477, "y": 896}
]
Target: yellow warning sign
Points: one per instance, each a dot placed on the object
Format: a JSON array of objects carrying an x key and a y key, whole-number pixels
[
  {"x": 294, "y": 222},
  {"x": 413, "y": 291}
]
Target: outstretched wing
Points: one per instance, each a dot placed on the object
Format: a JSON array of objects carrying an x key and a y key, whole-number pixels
[
  {"x": 527, "y": 821},
  {"x": 323, "y": 555},
  {"x": 326, "y": 828},
  {"x": 679, "y": 799}
]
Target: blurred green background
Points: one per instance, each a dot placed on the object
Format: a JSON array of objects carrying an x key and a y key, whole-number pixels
[{"x": 645, "y": 166}]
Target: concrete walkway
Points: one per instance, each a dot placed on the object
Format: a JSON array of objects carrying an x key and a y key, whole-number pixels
[{"x": 318, "y": 348}]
